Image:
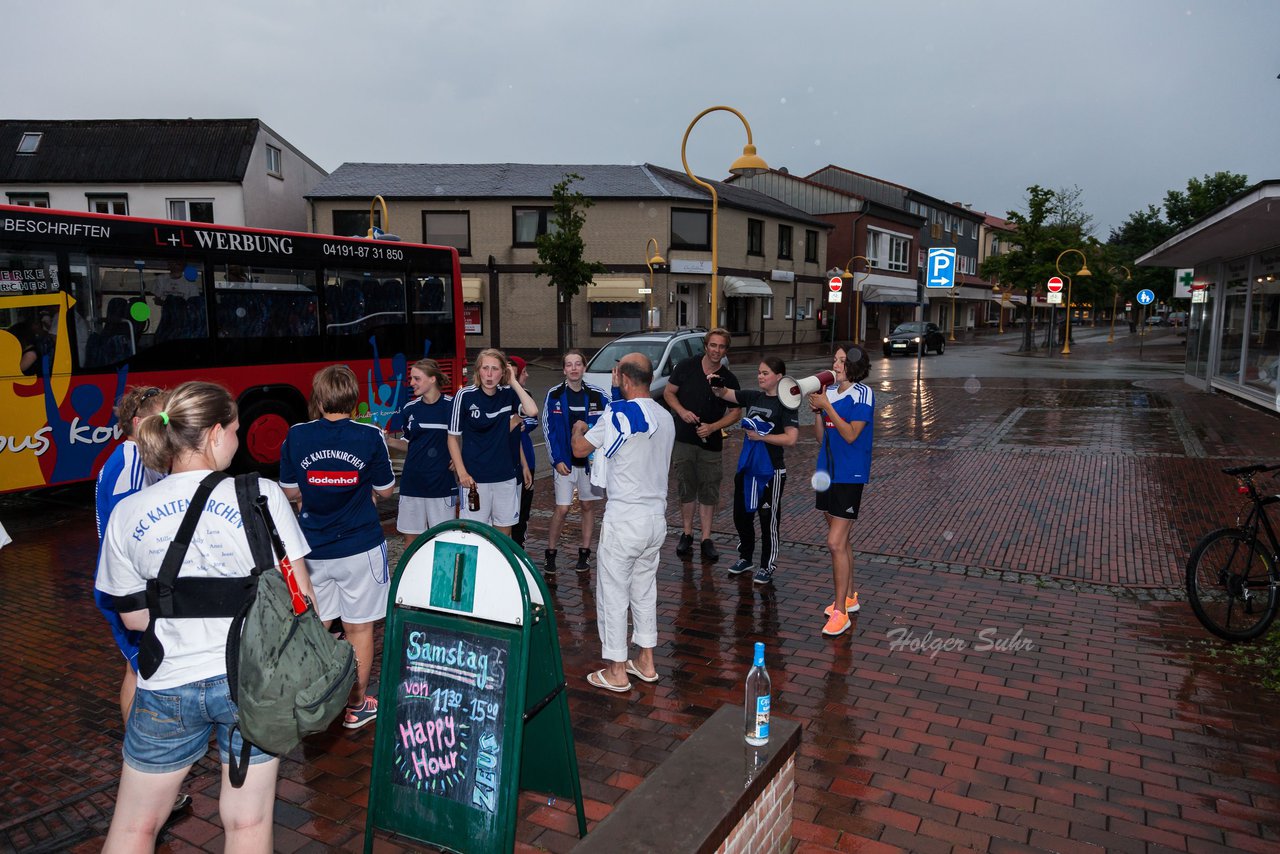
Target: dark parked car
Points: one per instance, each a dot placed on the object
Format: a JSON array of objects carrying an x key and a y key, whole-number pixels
[{"x": 907, "y": 337}]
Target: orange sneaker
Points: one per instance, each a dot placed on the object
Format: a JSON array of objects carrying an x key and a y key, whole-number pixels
[
  {"x": 837, "y": 625},
  {"x": 851, "y": 606}
]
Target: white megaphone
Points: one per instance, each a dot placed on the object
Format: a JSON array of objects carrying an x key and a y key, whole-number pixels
[{"x": 791, "y": 391}]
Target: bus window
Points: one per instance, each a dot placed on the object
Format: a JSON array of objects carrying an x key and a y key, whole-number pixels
[
  {"x": 30, "y": 311},
  {"x": 264, "y": 302},
  {"x": 360, "y": 302},
  {"x": 134, "y": 304}
]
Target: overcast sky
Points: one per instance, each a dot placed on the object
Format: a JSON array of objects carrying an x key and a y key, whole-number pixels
[{"x": 966, "y": 101}]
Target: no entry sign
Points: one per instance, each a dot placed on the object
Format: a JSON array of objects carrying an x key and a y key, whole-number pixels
[
  {"x": 1055, "y": 284},
  {"x": 835, "y": 283}
]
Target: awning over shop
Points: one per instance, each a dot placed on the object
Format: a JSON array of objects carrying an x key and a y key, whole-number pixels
[
  {"x": 1246, "y": 225},
  {"x": 964, "y": 292},
  {"x": 471, "y": 289},
  {"x": 740, "y": 286},
  {"x": 616, "y": 290},
  {"x": 885, "y": 292}
]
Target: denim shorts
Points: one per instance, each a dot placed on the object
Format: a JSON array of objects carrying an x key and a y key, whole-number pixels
[{"x": 169, "y": 728}]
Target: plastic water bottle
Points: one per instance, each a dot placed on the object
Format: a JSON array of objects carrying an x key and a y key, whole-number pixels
[{"x": 757, "y": 703}]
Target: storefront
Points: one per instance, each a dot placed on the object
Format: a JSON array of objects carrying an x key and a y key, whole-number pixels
[{"x": 1233, "y": 328}]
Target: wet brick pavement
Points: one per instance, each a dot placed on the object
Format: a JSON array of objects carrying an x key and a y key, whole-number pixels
[{"x": 1022, "y": 675}]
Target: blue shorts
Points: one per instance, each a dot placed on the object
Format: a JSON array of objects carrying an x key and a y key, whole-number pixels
[
  {"x": 169, "y": 728},
  {"x": 126, "y": 639}
]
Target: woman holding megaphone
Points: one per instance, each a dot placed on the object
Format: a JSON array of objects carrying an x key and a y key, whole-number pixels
[
  {"x": 843, "y": 428},
  {"x": 769, "y": 427}
]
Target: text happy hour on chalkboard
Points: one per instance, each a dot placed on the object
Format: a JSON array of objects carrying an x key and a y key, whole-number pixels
[{"x": 449, "y": 714}]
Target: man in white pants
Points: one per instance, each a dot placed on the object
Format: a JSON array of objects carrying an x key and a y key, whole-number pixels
[{"x": 634, "y": 436}]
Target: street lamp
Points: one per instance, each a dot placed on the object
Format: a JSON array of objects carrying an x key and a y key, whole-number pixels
[
  {"x": 749, "y": 163},
  {"x": 1115, "y": 299},
  {"x": 651, "y": 261},
  {"x": 856, "y": 329},
  {"x": 1083, "y": 271}
]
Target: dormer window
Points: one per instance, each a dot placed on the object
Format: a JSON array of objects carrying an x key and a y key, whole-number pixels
[{"x": 29, "y": 143}]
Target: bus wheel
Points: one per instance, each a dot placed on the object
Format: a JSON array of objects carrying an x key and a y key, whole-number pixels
[{"x": 263, "y": 426}]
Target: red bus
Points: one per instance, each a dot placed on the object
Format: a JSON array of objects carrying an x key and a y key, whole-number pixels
[{"x": 91, "y": 303}]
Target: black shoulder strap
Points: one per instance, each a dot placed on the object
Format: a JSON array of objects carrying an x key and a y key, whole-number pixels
[
  {"x": 177, "y": 552},
  {"x": 259, "y": 545}
]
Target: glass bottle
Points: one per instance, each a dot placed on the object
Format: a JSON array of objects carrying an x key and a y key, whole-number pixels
[
  {"x": 473, "y": 499},
  {"x": 757, "y": 701}
]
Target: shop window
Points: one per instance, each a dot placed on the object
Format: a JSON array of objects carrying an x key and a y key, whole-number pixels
[{"x": 616, "y": 318}]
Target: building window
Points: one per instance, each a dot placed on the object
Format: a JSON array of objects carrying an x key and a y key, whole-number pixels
[
  {"x": 29, "y": 200},
  {"x": 766, "y": 308},
  {"x": 355, "y": 223},
  {"x": 808, "y": 308},
  {"x": 791, "y": 308},
  {"x": 192, "y": 210},
  {"x": 888, "y": 250},
  {"x": 616, "y": 318},
  {"x": 117, "y": 204},
  {"x": 690, "y": 229},
  {"x": 810, "y": 246},
  {"x": 784, "y": 242},
  {"x": 755, "y": 237},
  {"x": 447, "y": 228},
  {"x": 528, "y": 223},
  {"x": 275, "y": 165},
  {"x": 29, "y": 143}
]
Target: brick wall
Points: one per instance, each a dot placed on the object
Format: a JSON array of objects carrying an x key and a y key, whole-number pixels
[{"x": 766, "y": 828}]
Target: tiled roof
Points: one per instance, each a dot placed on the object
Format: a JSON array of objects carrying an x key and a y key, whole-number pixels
[
  {"x": 533, "y": 181},
  {"x": 489, "y": 180},
  {"x": 120, "y": 150}
]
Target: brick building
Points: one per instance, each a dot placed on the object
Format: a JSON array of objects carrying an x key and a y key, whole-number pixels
[{"x": 771, "y": 261}]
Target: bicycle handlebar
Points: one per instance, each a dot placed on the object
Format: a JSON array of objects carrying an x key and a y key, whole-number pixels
[{"x": 1245, "y": 471}]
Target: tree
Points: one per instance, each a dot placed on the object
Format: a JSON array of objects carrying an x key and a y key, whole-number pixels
[
  {"x": 1144, "y": 230},
  {"x": 1202, "y": 197},
  {"x": 1040, "y": 235},
  {"x": 560, "y": 254},
  {"x": 1069, "y": 212}
]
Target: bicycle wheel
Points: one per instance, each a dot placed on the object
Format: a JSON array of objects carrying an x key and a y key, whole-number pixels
[{"x": 1229, "y": 583}]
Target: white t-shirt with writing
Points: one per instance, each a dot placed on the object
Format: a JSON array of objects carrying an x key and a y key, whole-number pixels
[{"x": 134, "y": 545}]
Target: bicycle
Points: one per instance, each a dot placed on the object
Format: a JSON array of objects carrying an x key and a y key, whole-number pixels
[{"x": 1233, "y": 582}]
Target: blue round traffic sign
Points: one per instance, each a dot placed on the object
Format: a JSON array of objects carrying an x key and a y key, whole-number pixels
[{"x": 1146, "y": 297}]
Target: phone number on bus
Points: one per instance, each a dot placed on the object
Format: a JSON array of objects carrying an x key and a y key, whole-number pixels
[{"x": 359, "y": 250}]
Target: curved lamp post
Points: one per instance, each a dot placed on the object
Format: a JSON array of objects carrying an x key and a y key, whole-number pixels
[
  {"x": 386, "y": 220},
  {"x": 1083, "y": 271},
  {"x": 749, "y": 163},
  {"x": 1115, "y": 299},
  {"x": 855, "y": 330},
  {"x": 651, "y": 261}
]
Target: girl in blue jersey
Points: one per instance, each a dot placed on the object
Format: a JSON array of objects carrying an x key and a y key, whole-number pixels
[
  {"x": 428, "y": 489},
  {"x": 335, "y": 466},
  {"x": 479, "y": 440},
  {"x": 843, "y": 428},
  {"x": 122, "y": 475}
]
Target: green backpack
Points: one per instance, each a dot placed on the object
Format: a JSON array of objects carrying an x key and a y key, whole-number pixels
[{"x": 288, "y": 675}]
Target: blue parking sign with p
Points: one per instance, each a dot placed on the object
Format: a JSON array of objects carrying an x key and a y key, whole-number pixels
[{"x": 942, "y": 268}]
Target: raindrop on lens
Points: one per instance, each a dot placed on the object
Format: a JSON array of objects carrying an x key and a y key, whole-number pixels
[
  {"x": 972, "y": 385},
  {"x": 821, "y": 481},
  {"x": 947, "y": 535}
]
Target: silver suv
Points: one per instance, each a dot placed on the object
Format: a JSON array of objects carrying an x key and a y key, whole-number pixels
[{"x": 664, "y": 350}]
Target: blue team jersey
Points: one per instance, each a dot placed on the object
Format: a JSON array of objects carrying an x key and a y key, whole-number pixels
[
  {"x": 426, "y": 464},
  {"x": 483, "y": 422},
  {"x": 845, "y": 462},
  {"x": 122, "y": 475},
  {"x": 337, "y": 465}
]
